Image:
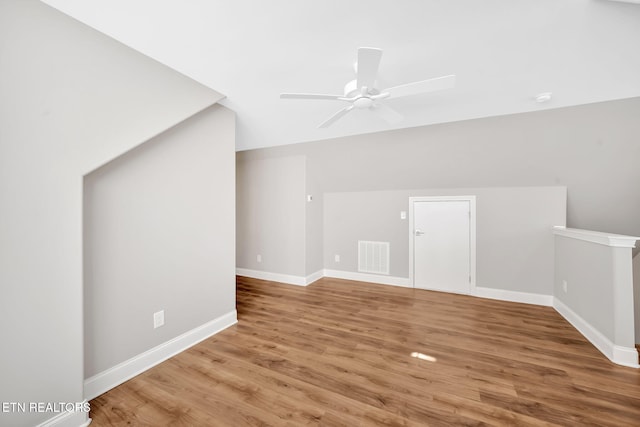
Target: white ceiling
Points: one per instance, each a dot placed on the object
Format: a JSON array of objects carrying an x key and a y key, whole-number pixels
[{"x": 503, "y": 53}]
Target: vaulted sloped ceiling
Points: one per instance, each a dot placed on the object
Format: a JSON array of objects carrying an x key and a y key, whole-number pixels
[{"x": 503, "y": 52}]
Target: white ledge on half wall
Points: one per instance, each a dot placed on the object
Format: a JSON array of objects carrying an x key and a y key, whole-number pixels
[{"x": 607, "y": 239}]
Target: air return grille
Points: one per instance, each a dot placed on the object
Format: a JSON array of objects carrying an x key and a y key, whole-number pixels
[{"x": 373, "y": 257}]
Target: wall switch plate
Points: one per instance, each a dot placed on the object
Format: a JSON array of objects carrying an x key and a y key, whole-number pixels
[
  {"x": 158, "y": 319},
  {"x": 564, "y": 286},
  {"x": 309, "y": 198},
  {"x": 337, "y": 258},
  {"x": 403, "y": 215},
  {"x": 259, "y": 258}
]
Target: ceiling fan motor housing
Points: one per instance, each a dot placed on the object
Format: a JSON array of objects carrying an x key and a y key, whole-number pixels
[
  {"x": 361, "y": 95},
  {"x": 351, "y": 90}
]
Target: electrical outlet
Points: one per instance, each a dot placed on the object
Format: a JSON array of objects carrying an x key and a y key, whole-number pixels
[
  {"x": 337, "y": 258},
  {"x": 259, "y": 258},
  {"x": 158, "y": 319},
  {"x": 564, "y": 286}
]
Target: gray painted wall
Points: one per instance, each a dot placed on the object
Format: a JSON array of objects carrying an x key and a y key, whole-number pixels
[
  {"x": 599, "y": 286},
  {"x": 159, "y": 235},
  {"x": 514, "y": 242},
  {"x": 313, "y": 233},
  {"x": 591, "y": 149},
  {"x": 588, "y": 269},
  {"x": 70, "y": 100},
  {"x": 271, "y": 214}
]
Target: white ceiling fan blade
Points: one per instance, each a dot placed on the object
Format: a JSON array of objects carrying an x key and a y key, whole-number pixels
[
  {"x": 367, "y": 66},
  {"x": 309, "y": 96},
  {"x": 387, "y": 113},
  {"x": 424, "y": 86},
  {"x": 331, "y": 120}
]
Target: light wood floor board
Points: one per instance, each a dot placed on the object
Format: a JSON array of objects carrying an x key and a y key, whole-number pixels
[{"x": 345, "y": 353}]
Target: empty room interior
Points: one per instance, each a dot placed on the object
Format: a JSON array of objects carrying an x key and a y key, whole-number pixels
[{"x": 361, "y": 213}]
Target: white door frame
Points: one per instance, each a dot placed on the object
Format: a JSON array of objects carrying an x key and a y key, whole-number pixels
[{"x": 472, "y": 234}]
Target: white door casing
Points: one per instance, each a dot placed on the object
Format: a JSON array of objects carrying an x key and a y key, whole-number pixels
[{"x": 442, "y": 243}]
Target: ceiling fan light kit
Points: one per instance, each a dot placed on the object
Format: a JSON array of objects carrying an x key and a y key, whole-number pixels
[{"x": 362, "y": 93}]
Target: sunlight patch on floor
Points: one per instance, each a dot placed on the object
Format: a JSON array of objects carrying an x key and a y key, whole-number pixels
[{"x": 422, "y": 356}]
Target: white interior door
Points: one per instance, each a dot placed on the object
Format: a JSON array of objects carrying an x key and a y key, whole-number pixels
[{"x": 442, "y": 245}]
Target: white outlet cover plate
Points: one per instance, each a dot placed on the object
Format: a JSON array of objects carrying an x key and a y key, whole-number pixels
[{"x": 158, "y": 319}]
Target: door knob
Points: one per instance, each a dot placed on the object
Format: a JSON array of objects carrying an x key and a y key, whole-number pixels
[{"x": 419, "y": 232}]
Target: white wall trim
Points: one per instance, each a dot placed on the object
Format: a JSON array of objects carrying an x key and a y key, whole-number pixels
[
  {"x": 513, "y": 296},
  {"x": 625, "y": 356},
  {"x": 607, "y": 239},
  {"x": 112, "y": 377},
  {"x": 68, "y": 419},
  {"x": 482, "y": 292},
  {"x": 338, "y": 274},
  {"x": 273, "y": 277},
  {"x": 314, "y": 277},
  {"x": 366, "y": 277}
]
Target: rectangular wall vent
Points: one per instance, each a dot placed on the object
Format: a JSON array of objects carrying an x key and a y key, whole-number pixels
[{"x": 373, "y": 257}]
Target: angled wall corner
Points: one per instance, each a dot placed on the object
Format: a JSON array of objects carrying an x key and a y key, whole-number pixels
[
  {"x": 71, "y": 99},
  {"x": 159, "y": 235},
  {"x": 594, "y": 291}
]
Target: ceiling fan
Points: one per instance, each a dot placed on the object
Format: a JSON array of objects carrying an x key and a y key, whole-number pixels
[{"x": 362, "y": 93}]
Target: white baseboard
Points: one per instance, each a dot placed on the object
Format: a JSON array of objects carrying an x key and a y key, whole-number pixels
[
  {"x": 314, "y": 277},
  {"x": 499, "y": 294},
  {"x": 106, "y": 380},
  {"x": 338, "y": 274},
  {"x": 272, "y": 277},
  {"x": 626, "y": 356},
  {"x": 68, "y": 419},
  {"x": 370, "y": 278},
  {"x": 281, "y": 278},
  {"x": 513, "y": 296}
]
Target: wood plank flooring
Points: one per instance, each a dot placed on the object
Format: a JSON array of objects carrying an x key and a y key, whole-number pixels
[{"x": 344, "y": 353}]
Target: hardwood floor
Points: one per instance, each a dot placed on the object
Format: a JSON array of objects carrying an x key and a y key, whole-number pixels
[{"x": 342, "y": 353}]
